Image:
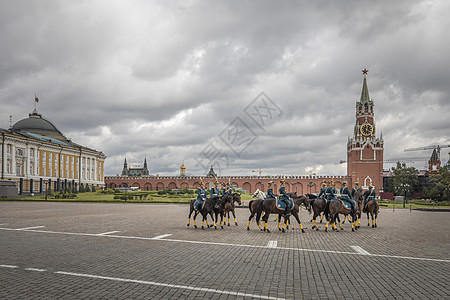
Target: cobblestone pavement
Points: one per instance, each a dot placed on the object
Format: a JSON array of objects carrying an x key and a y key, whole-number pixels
[{"x": 138, "y": 251}]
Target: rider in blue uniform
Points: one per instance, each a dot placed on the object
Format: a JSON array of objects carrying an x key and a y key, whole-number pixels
[
  {"x": 330, "y": 192},
  {"x": 285, "y": 197},
  {"x": 201, "y": 197},
  {"x": 227, "y": 190},
  {"x": 356, "y": 189},
  {"x": 322, "y": 190},
  {"x": 270, "y": 191},
  {"x": 346, "y": 195},
  {"x": 369, "y": 196},
  {"x": 215, "y": 189}
]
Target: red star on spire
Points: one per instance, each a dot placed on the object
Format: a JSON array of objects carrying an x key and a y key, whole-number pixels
[{"x": 365, "y": 71}]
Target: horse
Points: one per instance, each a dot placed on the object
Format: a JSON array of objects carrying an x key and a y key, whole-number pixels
[
  {"x": 269, "y": 205},
  {"x": 336, "y": 207},
  {"x": 316, "y": 205},
  {"x": 373, "y": 209},
  {"x": 296, "y": 209},
  {"x": 253, "y": 206},
  {"x": 207, "y": 209},
  {"x": 230, "y": 206}
]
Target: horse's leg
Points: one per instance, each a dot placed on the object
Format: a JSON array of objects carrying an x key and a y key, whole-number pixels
[
  {"x": 189, "y": 217},
  {"x": 265, "y": 220},
  {"x": 321, "y": 217},
  {"x": 252, "y": 214},
  {"x": 339, "y": 221},
  {"x": 279, "y": 221},
  {"x": 234, "y": 216},
  {"x": 376, "y": 217},
  {"x": 373, "y": 222},
  {"x": 195, "y": 216},
  {"x": 328, "y": 222},
  {"x": 368, "y": 218},
  {"x": 298, "y": 220}
]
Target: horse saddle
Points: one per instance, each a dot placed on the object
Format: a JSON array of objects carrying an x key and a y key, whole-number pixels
[
  {"x": 346, "y": 204},
  {"x": 199, "y": 204},
  {"x": 282, "y": 205}
]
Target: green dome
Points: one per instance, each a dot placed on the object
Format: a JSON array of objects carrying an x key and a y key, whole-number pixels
[{"x": 35, "y": 123}]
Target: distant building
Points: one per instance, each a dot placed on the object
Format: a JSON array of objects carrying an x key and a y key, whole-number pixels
[
  {"x": 37, "y": 156},
  {"x": 135, "y": 170}
]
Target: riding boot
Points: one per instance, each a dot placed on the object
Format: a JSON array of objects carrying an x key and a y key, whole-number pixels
[{"x": 365, "y": 206}]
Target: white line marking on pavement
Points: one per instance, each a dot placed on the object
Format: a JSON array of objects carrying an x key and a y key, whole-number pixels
[
  {"x": 28, "y": 228},
  {"x": 161, "y": 236},
  {"x": 106, "y": 233},
  {"x": 3, "y": 224},
  {"x": 186, "y": 287},
  {"x": 272, "y": 244},
  {"x": 360, "y": 250},
  {"x": 232, "y": 245},
  {"x": 34, "y": 269},
  {"x": 8, "y": 266}
]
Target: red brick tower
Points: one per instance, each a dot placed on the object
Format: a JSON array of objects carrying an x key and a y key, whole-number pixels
[
  {"x": 434, "y": 164},
  {"x": 364, "y": 150}
]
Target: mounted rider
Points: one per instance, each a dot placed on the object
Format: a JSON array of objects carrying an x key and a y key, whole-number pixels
[
  {"x": 330, "y": 192},
  {"x": 270, "y": 191},
  {"x": 356, "y": 189},
  {"x": 201, "y": 197},
  {"x": 227, "y": 190},
  {"x": 347, "y": 196},
  {"x": 215, "y": 189},
  {"x": 285, "y": 197},
  {"x": 369, "y": 195},
  {"x": 322, "y": 190}
]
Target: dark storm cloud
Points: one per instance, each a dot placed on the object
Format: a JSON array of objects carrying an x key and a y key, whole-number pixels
[{"x": 163, "y": 79}]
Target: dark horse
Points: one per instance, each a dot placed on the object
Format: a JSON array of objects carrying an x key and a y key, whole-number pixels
[
  {"x": 372, "y": 208},
  {"x": 317, "y": 205},
  {"x": 336, "y": 207},
  {"x": 269, "y": 205},
  {"x": 230, "y": 206},
  {"x": 207, "y": 209}
]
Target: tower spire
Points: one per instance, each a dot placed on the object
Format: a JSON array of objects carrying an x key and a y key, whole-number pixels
[{"x": 365, "y": 91}]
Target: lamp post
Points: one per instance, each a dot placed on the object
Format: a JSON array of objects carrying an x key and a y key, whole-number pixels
[
  {"x": 310, "y": 184},
  {"x": 405, "y": 187}
]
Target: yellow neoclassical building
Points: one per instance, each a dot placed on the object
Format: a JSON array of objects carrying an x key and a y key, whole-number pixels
[{"x": 37, "y": 156}]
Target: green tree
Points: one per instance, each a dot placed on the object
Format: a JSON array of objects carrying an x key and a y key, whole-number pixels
[
  {"x": 405, "y": 179},
  {"x": 441, "y": 184}
]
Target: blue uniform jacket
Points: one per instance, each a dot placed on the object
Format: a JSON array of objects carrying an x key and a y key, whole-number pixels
[{"x": 270, "y": 193}]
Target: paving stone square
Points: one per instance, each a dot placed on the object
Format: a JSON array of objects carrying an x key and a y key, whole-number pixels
[{"x": 146, "y": 251}]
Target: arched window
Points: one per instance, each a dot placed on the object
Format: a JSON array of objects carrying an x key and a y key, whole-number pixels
[{"x": 19, "y": 152}]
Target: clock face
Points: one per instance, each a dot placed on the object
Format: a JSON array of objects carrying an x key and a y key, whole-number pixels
[{"x": 366, "y": 129}]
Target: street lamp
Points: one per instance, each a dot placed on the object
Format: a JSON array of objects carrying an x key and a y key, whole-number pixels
[
  {"x": 310, "y": 184},
  {"x": 405, "y": 187}
]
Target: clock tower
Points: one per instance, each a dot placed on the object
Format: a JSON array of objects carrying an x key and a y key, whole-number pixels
[{"x": 364, "y": 149}]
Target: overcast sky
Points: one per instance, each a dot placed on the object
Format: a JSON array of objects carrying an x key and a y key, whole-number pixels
[{"x": 180, "y": 81}]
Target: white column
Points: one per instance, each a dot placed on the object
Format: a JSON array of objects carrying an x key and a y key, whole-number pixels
[
  {"x": 13, "y": 159},
  {"x": 27, "y": 161}
]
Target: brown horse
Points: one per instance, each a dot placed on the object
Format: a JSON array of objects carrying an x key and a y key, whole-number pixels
[
  {"x": 316, "y": 205},
  {"x": 207, "y": 209},
  {"x": 230, "y": 206},
  {"x": 372, "y": 208},
  {"x": 336, "y": 207},
  {"x": 269, "y": 206},
  {"x": 295, "y": 209}
]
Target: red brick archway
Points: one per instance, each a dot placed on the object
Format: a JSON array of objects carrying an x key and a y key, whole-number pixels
[{"x": 172, "y": 186}]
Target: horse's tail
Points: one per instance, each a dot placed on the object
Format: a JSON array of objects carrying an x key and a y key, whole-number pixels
[
  {"x": 311, "y": 202},
  {"x": 250, "y": 205},
  {"x": 327, "y": 208},
  {"x": 259, "y": 210}
]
